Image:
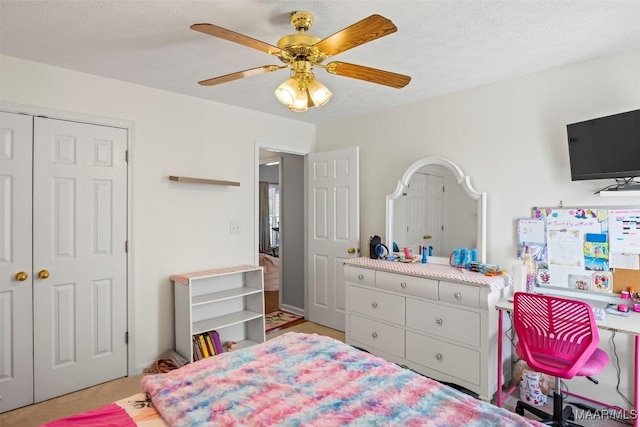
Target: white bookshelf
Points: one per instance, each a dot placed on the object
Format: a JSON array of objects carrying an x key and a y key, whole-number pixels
[{"x": 229, "y": 300}]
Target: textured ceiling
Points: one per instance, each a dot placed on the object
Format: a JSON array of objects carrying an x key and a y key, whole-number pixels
[{"x": 444, "y": 45}]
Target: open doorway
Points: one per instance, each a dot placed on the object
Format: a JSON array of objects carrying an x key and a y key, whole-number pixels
[
  {"x": 281, "y": 230},
  {"x": 269, "y": 227}
]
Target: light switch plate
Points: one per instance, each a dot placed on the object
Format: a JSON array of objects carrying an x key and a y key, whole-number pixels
[{"x": 234, "y": 228}]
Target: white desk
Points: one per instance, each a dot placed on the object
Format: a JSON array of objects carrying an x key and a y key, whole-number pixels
[{"x": 626, "y": 325}]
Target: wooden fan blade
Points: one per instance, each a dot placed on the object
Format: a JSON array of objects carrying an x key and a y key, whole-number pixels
[
  {"x": 223, "y": 33},
  {"x": 241, "y": 74},
  {"x": 368, "y": 74},
  {"x": 364, "y": 31}
]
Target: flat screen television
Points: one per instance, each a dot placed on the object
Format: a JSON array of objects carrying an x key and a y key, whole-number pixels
[{"x": 606, "y": 147}]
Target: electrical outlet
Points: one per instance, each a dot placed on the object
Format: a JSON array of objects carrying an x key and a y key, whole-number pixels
[{"x": 234, "y": 228}]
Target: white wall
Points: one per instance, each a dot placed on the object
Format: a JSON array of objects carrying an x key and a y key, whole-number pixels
[
  {"x": 510, "y": 138},
  {"x": 177, "y": 227}
]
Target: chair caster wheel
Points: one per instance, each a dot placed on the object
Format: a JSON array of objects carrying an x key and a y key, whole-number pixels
[{"x": 567, "y": 413}]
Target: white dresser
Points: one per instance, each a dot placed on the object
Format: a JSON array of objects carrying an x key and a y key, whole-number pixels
[{"x": 435, "y": 319}]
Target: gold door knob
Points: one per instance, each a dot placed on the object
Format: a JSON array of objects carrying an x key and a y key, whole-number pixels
[
  {"x": 351, "y": 250},
  {"x": 43, "y": 274},
  {"x": 427, "y": 237},
  {"x": 21, "y": 276}
]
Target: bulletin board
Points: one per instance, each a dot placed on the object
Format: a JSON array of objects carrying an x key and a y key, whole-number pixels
[{"x": 594, "y": 249}]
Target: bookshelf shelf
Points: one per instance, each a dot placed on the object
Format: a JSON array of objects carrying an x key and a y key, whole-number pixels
[
  {"x": 225, "y": 321},
  {"x": 221, "y": 296},
  {"x": 227, "y": 300}
]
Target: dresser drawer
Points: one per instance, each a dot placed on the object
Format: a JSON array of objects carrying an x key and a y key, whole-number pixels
[
  {"x": 409, "y": 285},
  {"x": 375, "y": 334},
  {"x": 451, "y": 323},
  {"x": 361, "y": 276},
  {"x": 452, "y": 360},
  {"x": 376, "y": 304},
  {"x": 456, "y": 293}
]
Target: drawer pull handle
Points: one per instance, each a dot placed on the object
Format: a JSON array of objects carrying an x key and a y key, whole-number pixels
[
  {"x": 403, "y": 285},
  {"x": 457, "y": 295},
  {"x": 439, "y": 321},
  {"x": 438, "y": 356},
  {"x": 360, "y": 277},
  {"x": 374, "y": 304},
  {"x": 374, "y": 335}
]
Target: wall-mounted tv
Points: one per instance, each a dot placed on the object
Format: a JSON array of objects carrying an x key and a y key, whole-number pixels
[{"x": 606, "y": 147}]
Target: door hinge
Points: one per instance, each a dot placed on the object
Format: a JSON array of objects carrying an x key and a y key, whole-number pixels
[
  {"x": 126, "y": 156},
  {"x": 126, "y": 246},
  {"x": 126, "y": 337}
]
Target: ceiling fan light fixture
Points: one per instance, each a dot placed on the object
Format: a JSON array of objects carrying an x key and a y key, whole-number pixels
[
  {"x": 301, "y": 101},
  {"x": 318, "y": 93},
  {"x": 286, "y": 92}
]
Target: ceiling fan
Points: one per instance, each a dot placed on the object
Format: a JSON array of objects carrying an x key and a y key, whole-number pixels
[{"x": 302, "y": 52}]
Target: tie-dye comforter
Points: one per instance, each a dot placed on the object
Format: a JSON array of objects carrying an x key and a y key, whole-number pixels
[{"x": 310, "y": 380}]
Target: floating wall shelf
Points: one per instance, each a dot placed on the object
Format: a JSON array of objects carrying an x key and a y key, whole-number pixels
[{"x": 203, "y": 181}]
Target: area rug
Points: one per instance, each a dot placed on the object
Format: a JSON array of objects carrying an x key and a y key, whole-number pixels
[{"x": 279, "y": 319}]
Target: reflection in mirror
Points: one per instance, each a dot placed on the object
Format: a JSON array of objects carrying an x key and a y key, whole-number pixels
[{"x": 434, "y": 205}]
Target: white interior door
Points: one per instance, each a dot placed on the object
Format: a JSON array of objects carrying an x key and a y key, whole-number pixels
[
  {"x": 80, "y": 232},
  {"x": 416, "y": 212},
  {"x": 16, "y": 321},
  {"x": 434, "y": 217},
  {"x": 333, "y": 231}
]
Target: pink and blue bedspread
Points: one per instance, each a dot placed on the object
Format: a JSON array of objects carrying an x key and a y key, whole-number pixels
[{"x": 310, "y": 380}]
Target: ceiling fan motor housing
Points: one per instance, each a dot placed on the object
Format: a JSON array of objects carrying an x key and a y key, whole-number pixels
[
  {"x": 301, "y": 20},
  {"x": 299, "y": 47}
]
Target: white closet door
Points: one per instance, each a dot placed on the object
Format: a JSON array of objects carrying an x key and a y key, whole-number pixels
[
  {"x": 80, "y": 214},
  {"x": 16, "y": 326}
]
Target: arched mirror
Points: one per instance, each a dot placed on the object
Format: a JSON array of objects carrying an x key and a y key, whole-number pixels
[{"x": 434, "y": 205}]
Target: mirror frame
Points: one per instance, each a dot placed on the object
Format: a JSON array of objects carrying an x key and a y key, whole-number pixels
[{"x": 461, "y": 179}]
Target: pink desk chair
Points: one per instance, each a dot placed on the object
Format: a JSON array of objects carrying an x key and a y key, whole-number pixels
[{"x": 559, "y": 337}]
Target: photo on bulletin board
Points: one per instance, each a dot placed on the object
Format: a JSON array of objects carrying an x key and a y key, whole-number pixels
[
  {"x": 596, "y": 252},
  {"x": 602, "y": 282},
  {"x": 580, "y": 282},
  {"x": 530, "y": 232}
]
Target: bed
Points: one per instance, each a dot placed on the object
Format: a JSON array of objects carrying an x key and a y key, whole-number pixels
[
  {"x": 271, "y": 268},
  {"x": 300, "y": 379}
]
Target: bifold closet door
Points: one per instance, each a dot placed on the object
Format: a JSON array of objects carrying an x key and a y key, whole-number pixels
[
  {"x": 16, "y": 278},
  {"x": 63, "y": 264},
  {"x": 79, "y": 256}
]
